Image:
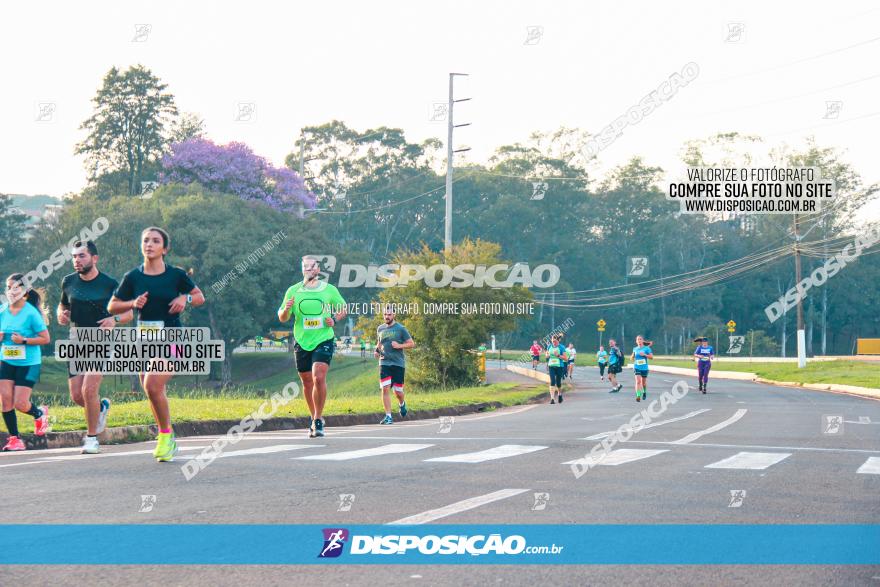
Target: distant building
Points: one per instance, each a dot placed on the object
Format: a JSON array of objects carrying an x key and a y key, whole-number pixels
[{"x": 51, "y": 212}]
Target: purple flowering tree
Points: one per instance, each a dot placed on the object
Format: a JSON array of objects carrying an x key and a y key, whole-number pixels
[{"x": 235, "y": 169}]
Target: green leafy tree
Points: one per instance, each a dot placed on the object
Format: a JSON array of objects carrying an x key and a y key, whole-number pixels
[
  {"x": 127, "y": 131},
  {"x": 12, "y": 228},
  {"x": 443, "y": 356},
  {"x": 243, "y": 255}
]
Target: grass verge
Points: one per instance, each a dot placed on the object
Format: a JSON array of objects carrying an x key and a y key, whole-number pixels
[{"x": 353, "y": 385}]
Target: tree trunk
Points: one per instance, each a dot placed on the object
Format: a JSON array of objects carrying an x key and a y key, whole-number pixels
[
  {"x": 784, "y": 331},
  {"x": 226, "y": 371},
  {"x": 226, "y": 367},
  {"x": 824, "y": 323},
  {"x": 809, "y": 332}
]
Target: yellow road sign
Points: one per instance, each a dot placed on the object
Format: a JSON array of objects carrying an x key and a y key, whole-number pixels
[
  {"x": 601, "y": 324},
  {"x": 601, "y": 330},
  {"x": 731, "y": 326}
]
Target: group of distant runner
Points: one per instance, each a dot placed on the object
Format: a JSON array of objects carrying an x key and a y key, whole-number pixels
[
  {"x": 560, "y": 363},
  {"x": 154, "y": 294}
]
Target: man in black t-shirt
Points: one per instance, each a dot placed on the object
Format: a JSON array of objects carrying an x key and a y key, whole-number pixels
[{"x": 84, "y": 297}]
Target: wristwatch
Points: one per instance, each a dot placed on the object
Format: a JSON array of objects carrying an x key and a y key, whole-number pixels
[
  {"x": 117, "y": 318},
  {"x": 189, "y": 298}
]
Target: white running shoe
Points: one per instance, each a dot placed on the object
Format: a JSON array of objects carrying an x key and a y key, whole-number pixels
[
  {"x": 102, "y": 417},
  {"x": 90, "y": 445}
]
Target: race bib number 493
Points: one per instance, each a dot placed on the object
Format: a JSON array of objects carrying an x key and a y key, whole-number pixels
[{"x": 312, "y": 323}]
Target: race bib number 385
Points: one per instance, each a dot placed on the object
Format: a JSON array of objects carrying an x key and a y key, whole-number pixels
[{"x": 11, "y": 352}]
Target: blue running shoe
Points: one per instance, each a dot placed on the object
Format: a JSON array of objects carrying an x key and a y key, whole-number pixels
[
  {"x": 387, "y": 419},
  {"x": 403, "y": 410}
]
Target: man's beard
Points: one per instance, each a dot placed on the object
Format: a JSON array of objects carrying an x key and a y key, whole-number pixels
[{"x": 84, "y": 269}]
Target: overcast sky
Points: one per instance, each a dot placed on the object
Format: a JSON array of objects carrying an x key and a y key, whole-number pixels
[{"x": 386, "y": 63}]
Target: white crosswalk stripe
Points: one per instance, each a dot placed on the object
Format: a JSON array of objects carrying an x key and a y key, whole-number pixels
[
  {"x": 750, "y": 460},
  {"x": 457, "y": 507},
  {"x": 602, "y": 435},
  {"x": 619, "y": 457},
  {"x": 499, "y": 452},
  {"x": 366, "y": 452},
  {"x": 264, "y": 450},
  {"x": 870, "y": 467},
  {"x": 720, "y": 426}
]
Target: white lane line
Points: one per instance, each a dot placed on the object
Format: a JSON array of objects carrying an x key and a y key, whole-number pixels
[
  {"x": 861, "y": 420},
  {"x": 611, "y": 417},
  {"x": 763, "y": 446},
  {"x": 602, "y": 435},
  {"x": 499, "y": 452},
  {"x": 42, "y": 451},
  {"x": 22, "y": 464},
  {"x": 750, "y": 460},
  {"x": 303, "y": 436},
  {"x": 366, "y": 452},
  {"x": 265, "y": 450},
  {"x": 458, "y": 507},
  {"x": 870, "y": 467},
  {"x": 692, "y": 437},
  {"x": 444, "y": 437},
  {"x": 421, "y": 424},
  {"x": 81, "y": 457},
  {"x": 620, "y": 457}
]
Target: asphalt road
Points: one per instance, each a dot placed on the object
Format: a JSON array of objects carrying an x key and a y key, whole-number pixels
[{"x": 742, "y": 454}]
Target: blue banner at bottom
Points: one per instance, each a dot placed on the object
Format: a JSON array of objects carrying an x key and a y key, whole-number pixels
[{"x": 159, "y": 544}]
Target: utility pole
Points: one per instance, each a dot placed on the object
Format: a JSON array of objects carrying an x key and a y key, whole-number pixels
[
  {"x": 450, "y": 153},
  {"x": 801, "y": 335},
  {"x": 301, "y": 211}
]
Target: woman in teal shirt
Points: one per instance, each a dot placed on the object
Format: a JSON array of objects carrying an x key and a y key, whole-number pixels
[
  {"x": 641, "y": 353},
  {"x": 23, "y": 330},
  {"x": 602, "y": 361}
]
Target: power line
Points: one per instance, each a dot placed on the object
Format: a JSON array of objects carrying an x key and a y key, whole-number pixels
[
  {"x": 786, "y": 98},
  {"x": 389, "y": 205},
  {"x": 795, "y": 62}
]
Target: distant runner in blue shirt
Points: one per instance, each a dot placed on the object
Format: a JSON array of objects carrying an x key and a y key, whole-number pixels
[
  {"x": 641, "y": 353},
  {"x": 703, "y": 356}
]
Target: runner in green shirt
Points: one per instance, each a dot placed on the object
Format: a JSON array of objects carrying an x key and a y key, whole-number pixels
[{"x": 315, "y": 306}]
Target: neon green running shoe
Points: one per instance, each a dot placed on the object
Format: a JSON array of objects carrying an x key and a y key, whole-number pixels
[{"x": 166, "y": 448}]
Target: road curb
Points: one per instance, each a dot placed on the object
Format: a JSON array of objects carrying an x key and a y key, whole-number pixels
[
  {"x": 129, "y": 434},
  {"x": 533, "y": 373},
  {"x": 742, "y": 376},
  {"x": 853, "y": 390}
]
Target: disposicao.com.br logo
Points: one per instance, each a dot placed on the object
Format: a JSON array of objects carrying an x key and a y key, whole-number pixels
[{"x": 451, "y": 544}]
